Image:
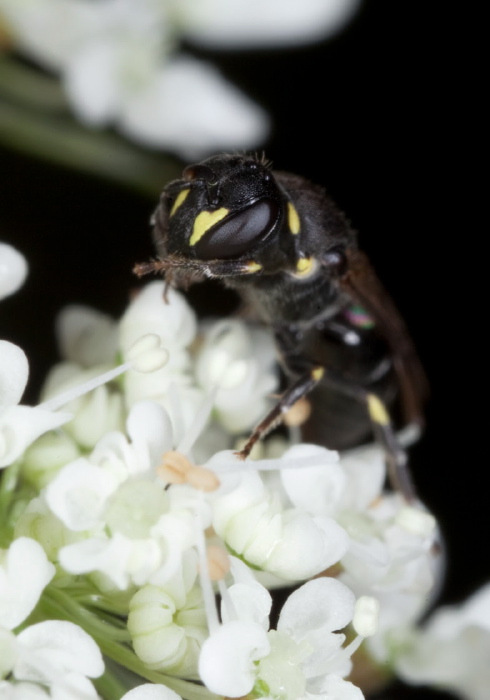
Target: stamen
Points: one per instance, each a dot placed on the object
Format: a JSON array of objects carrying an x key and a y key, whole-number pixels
[
  {"x": 227, "y": 601},
  {"x": 204, "y": 578},
  {"x": 366, "y": 615},
  {"x": 174, "y": 467},
  {"x": 147, "y": 356},
  {"x": 202, "y": 479},
  {"x": 365, "y": 623},
  {"x": 416, "y": 521},
  {"x": 218, "y": 562}
]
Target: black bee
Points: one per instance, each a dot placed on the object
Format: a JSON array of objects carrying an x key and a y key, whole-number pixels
[{"x": 284, "y": 245}]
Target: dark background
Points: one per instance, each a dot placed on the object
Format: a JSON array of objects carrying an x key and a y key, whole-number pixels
[{"x": 381, "y": 116}]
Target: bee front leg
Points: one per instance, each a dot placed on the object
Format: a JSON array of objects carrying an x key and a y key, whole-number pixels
[{"x": 296, "y": 391}]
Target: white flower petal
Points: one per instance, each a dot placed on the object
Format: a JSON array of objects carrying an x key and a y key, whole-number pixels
[
  {"x": 73, "y": 686},
  {"x": 13, "y": 270},
  {"x": 334, "y": 687},
  {"x": 122, "y": 560},
  {"x": 150, "y": 430},
  {"x": 47, "y": 30},
  {"x": 14, "y": 370},
  {"x": 151, "y": 691},
  {"x": 323, "y": 603},
  {"x": 21, "y": 691},
  {"x": 251, "y": 601},
  {"x": 308, "y": 546},
  {"x": 21, "y": 425},
  {"x": 24, "y": 573},
  {"x": 264, "y": 23},
  {"x": 86, "y": 336},
  {"x": 174, "y": 322},
  {"x": 190, "y": 108},
  {"x": 365, "y": 468},
  {"x": 78, "y": 494},
  {"x": 315, "y": 489},
  {"x": 63, "y": 646},
  {"x": 226, "y": 663},
  {"x": 92, "y": 81}
]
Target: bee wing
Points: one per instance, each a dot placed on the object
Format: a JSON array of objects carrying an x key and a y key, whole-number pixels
[{"x": 362, "y": 283}]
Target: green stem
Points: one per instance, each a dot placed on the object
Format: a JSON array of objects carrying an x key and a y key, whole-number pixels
[
  {"x": 81, "y": 616},
  {"x": 21, "y": 83},
  {"x": 63, "y": 141},
  {"x": 57, "y": 604},
  {"x": 109, "y": 687}
]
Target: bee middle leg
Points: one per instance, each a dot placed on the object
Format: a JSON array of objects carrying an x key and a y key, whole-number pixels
[{"x": 396, "y": 457}]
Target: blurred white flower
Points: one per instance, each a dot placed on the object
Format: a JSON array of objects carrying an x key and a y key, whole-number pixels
[
  {"x": 239, "y": 362},
  {"x": 56, "y": 654},
  {"x": 119, "y": 65},
  {"x": 264, "y": 23},
  {"x": 13, "y": 270},
  {"x": 452, "y": 651},
  {"x": 19, "y": 425}
]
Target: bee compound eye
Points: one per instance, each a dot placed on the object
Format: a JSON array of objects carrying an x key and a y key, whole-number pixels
[{"x": 238, "y": 233}]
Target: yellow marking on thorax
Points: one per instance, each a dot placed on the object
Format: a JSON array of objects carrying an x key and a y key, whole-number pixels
[
  {"x": 180, "y": 198},
  {"x": 204, "y": 221},
  {"x": 293, "y": 219},
  {"x": 317, "y": 373},
  {"x": 377, "y": 410}
]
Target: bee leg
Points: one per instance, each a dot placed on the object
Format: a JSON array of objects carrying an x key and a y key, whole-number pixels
[
  {"x": 209, "y": 268},
  {"x": 296, "y": 391},
  {"x": 396, "y": 456}
]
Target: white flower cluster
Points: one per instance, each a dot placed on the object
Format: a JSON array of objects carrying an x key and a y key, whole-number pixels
[
  {"x": 119, "y": 63},
  {"x": 122, "y": 515}
]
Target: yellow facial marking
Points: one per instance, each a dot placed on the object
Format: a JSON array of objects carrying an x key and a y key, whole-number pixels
[
  {"x": 293, "y": 219},
  {"x": 317, "y": 373},
  {"x": 180, "y": 198},
  {"x": 253, "y": 266},
  {"x": 377, "y": 410},
  {"x": 204, "y": 221}
]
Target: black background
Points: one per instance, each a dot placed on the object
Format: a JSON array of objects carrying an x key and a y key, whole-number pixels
[{"x": 380, "y": 115}]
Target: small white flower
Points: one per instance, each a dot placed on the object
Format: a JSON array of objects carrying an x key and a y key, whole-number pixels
[
  {"x": 264, "y": 23},
  {"x": 452, "y": 651},
  {"x": 56, "y": 654},
  {"x": 175, "y": 324},
  {"x": 118, "y": 62},
  {"x": 85, "y": 336},
  {"x": 19, "y": 425},
  {"x": 168, "y": 624},
  {"x": 13, "y": 270},
  {"x": 239, "y": 364},
  {"x": 302, "y": 659},
  {"x": 392, "y": 560},
  {"x": 287, "y": 542}
]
